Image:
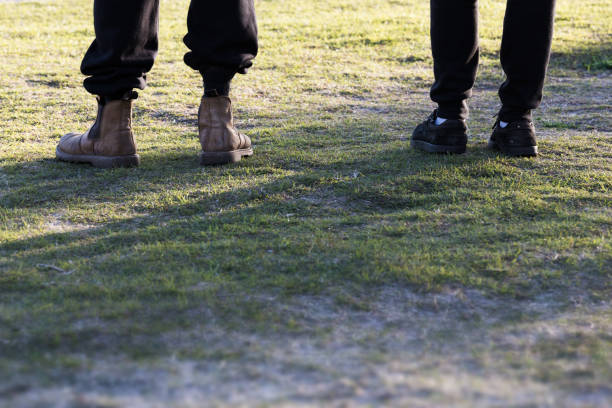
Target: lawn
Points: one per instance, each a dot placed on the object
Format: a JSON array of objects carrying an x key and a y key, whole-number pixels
[{"x": 335, "y": 267}]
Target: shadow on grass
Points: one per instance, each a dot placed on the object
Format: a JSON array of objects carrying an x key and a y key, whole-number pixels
[
  {"x": 597, "y": 57},
  {"x": 330, "y": 189},
  {"x": 190, "y": 276},
  {"x": 319, "y": 206}
]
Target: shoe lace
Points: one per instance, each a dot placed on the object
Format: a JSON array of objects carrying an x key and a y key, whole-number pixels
[
  {"x": 496, "y": 124},
  {"x": 433, "y": 116}
]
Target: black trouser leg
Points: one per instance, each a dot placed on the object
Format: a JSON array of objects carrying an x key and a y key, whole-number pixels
[
  {"x": 222, "y": 37},
  {"x": 454, "y": 43},
  {"x": 125, "y": 46},
  {"x": 525, "y": 52}
]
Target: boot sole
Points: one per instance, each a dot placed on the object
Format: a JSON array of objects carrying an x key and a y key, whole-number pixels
[
  {"x": 530, "y": 151},
  {"x": 215, "y": 158},
  {"x": 102, "y": 162},
  {"x": 434, "y": 148}
]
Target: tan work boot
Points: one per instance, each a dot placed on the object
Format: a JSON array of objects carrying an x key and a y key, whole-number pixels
[
  {"x": 108, "y": 143},
  {"x": 221, "y": 142}
]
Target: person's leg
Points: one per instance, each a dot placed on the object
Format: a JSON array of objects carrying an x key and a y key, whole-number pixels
[
  {"x": 525, "y": 52},
  {"x": 116, "y": 62},
  {"x": 222, "y": 38},
  {"x": 125, "y": 46},
  {"x": 454, "y": 44}
]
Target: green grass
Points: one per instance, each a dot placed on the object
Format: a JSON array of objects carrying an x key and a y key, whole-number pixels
[{"x": 333, "y": 204}]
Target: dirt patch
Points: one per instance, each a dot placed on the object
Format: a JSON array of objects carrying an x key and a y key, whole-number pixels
[
  {"x": 390, "y": 347},
  {"x": 57, "y": 223}
]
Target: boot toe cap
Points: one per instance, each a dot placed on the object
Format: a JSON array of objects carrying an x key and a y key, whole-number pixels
[
  {"x": 70, "y": 143},
  {"x": 245, "y": 141}
]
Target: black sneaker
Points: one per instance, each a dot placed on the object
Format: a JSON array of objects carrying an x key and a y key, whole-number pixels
[
  {"x": 516, "y": 139},
  {"x": 449, "y": 137}
]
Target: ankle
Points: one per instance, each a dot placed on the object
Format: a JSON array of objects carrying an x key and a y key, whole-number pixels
[
  {"x": 217, "y": 81},
  {"x": 510, "y": 115},
  {"x": 215, "y": 90}
]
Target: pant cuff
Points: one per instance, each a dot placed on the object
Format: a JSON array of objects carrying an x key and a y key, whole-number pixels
[{"x": 123, "y": 95}]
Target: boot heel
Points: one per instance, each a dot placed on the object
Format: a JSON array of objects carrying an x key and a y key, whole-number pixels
[
  {"x": 215, "y": 158},
  {"x": 103, "y": 162},
  {"x": 433, "y": 148},
  {"x": 531, "y": 151}
]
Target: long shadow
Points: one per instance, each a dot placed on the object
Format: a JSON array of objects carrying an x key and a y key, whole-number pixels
[
  {"x": 347, "y": 193},
  {"x": 321, "y": 226},
  {"x": 596, "y": 57},
  {"x": 329, "y": 184}
]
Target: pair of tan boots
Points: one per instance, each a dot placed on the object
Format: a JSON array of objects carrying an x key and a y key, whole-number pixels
[{"x": 110, "y": 141}]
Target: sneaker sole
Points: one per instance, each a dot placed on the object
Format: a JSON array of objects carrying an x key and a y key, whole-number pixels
[
  {"x": 102, "y": 162},
  {"x": 530, "y": 151},
  {"x": 434, "y": 148},
  {"x": 216, "y": 158}
]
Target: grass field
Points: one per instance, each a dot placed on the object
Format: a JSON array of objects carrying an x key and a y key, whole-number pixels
[{"x": 337, "y": 266}]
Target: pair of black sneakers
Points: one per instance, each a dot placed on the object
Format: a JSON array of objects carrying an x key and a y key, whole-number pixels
[{"x": 516, "y": 139}]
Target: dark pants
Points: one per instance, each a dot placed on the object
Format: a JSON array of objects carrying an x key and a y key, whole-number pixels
[
  {"x": 525, "y": 52},
  {"x": 222, "y": 37}
]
